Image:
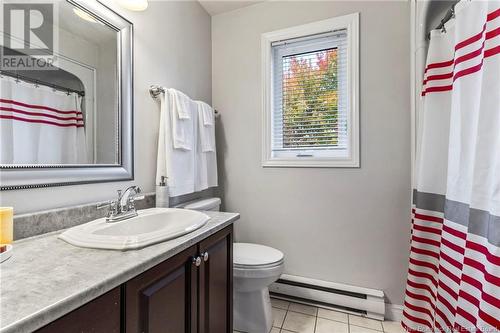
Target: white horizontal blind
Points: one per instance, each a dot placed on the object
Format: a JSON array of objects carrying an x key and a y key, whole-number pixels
[{"x": 310, "y": 104}]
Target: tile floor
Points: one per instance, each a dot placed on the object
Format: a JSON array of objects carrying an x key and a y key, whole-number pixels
[{"x": 298, "y": 318}]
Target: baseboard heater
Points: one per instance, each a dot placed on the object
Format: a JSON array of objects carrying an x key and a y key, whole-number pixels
[{"x": 330, "y": 295}]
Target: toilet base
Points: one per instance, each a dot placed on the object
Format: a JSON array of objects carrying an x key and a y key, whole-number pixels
[{"x": 252, "y": 311}]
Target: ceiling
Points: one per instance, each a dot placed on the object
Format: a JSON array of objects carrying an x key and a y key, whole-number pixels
[{"x": 218, "y": 7}]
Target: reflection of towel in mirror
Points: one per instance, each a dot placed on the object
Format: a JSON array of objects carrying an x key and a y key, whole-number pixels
[
  {"x": 39, "y": 125},
  {"x": 182, "y": 123}
]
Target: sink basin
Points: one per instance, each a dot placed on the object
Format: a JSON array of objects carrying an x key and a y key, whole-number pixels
[{"x": 151, "y": 226}]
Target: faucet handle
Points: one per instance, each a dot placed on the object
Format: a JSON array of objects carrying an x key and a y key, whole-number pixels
[
  {"x": 110, "y": 204},
  {"x": 133, "y": 198}
]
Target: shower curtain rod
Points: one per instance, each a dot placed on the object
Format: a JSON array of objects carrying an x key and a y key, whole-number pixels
[
  {"x": 450, "y": 13},
  {"x": 40, "y": 82}
]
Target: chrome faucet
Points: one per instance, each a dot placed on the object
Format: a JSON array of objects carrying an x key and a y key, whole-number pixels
[{"x": 124, "y": 207}]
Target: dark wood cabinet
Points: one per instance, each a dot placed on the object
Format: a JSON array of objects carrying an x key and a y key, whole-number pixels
[
  {"x": 192, "y": 292},
  {"x": 101, "y": 315},
  {"x": 216, "y": 283},
  {"x": 164, "y": 298}
]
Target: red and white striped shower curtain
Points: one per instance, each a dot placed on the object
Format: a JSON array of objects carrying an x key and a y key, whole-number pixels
[
  {"x": 454, "y": 273},
  {"x": 39, "y": 125}
]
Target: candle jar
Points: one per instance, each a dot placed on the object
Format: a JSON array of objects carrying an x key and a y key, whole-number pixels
[{"x": 6, "y": 225}]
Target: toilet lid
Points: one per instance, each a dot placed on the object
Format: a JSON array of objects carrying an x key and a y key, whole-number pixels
[
  {"x": 205, "y": 204},
  {"x": 247, "y": 254}
]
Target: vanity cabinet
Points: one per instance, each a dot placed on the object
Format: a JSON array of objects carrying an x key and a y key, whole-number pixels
[
  {"x": 164, "y": 298},
  {"x": 216, "y": 283},
  {"x": 189, "y": 293},
  {"x": 99, "y": 315},
  {"x": 192, "y": 292}
]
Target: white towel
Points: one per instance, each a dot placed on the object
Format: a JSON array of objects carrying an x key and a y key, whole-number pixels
[
  {"x": 206, "y": 127},
  {"x": 176, "y": 164},
  {"x": 206, "y": 159},
  {"x": 207, "y": 113},
  {"x": 206, "y": 169},
  {"x": 187, "y": 170},
  {"x": 182, "y": 122}
]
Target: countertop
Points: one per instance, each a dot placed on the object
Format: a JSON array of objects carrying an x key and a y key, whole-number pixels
[{"x": 47, "y": 278}]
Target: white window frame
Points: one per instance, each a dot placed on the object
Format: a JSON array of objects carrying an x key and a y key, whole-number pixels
[{"x": 351, "y": 24}]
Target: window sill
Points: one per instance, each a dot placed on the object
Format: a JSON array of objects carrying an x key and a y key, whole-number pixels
[{"x": 310, "y": 163}]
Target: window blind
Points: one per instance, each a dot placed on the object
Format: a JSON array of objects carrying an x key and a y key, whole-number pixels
[{"x": 310, "y": 112}]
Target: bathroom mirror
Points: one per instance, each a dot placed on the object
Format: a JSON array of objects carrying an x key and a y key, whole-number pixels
[{"x": 66, "y": 111}]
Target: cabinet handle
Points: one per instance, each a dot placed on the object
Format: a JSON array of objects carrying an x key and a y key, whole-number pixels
[
  {"x": 205, "y": 256},
  {"x": 197, "y": 261}
]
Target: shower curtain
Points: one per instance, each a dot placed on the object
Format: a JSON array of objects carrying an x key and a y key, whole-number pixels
[
  {"x": 39, "y": 125},
  {"x": 453, "y": 280}
]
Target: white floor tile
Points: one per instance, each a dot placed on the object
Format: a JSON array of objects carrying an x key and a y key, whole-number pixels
[
  {"x": 330, "y": 326},
  {"x": 305, "y": 309},
  {"x": 278, "y": 317},
  {"x": 359, "y": 329},
  {"x": 333, "y": 315},
  {"x": 365, "y": 322},
  {"x": 298, "y": 322},
  {"x": 275, "y": 330},
  {"x": 279, "y": 303},
  {"x": 393, "y": 327}
]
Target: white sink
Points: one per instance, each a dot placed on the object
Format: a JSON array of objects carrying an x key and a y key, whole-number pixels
[{"x": 151, "y": 226}]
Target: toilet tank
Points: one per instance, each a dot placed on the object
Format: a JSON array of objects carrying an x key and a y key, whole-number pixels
[{"x": 212, "y": 204}]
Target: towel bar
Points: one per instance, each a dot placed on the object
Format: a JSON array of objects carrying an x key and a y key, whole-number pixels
[{"x": 155, "y": 91}]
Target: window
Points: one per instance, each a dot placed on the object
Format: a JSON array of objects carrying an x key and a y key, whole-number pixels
[{"x": 310, "y": 95}]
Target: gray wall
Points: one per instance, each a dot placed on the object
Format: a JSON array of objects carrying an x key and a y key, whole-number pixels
[
  {"x": 107, "y": 104},
  {"x": 343, "y": 225},
  {"x": 172, "y": 48}
]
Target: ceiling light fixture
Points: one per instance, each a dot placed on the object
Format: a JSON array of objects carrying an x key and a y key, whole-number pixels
[{"x": 84, "y": 15}]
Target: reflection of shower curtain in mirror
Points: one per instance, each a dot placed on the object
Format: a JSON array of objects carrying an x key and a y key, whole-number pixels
[{"x": 39, "y": 125}]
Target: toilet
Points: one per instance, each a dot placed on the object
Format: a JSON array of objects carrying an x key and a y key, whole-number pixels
[
  {"x": 212, "y": 204},
  {"x": 255, "y": 267}
]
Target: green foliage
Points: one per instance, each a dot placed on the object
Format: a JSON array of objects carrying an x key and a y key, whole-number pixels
[{"x": 310, "y": 99}]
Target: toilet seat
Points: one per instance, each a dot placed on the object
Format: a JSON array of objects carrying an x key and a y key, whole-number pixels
[
  {"x": 247, "y": 256},
  {"x": 258, "y": 273}
]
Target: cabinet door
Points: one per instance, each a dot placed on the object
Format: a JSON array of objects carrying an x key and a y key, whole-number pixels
[
  {"x": 101, "y": 315},
  {"x": 216, "y": 283},
  {"x": 164, "y": 298}
]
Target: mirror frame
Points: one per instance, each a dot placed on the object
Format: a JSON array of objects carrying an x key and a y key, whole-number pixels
[{"x": 31, "y": 176}]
